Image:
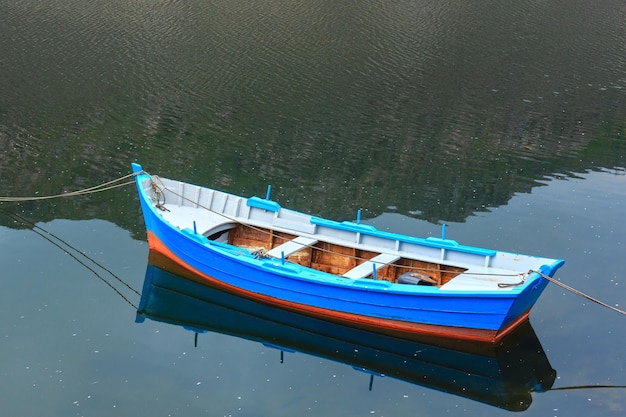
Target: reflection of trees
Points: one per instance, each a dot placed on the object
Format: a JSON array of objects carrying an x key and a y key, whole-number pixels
[
  {"x": 447, "y": 173},
  {"x": 437, "y": 112}
]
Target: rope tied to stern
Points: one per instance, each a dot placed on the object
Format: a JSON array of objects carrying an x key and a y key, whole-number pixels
[{"x": 577, "y": 292}]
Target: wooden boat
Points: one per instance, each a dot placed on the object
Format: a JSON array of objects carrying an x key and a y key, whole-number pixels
[
  {"x": 504, "y": 374},
  {"x": 342, "y": 272}
]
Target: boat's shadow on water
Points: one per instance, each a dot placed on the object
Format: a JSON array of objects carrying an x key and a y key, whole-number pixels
[{"x": 503, "y": 374}]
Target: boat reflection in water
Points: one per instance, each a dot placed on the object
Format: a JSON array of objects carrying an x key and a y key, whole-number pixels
[{"x": 503, "y": 374}]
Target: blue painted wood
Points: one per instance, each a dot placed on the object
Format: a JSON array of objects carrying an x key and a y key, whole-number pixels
[
  {"x": 263, "y": 204},
  {"x": 235, "y": 267},
  {"x": 429, "y": 242},
  {"x": 304, "y": 286}
]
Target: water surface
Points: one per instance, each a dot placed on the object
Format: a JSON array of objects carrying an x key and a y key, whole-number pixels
[{"x": 505, "y": 120}]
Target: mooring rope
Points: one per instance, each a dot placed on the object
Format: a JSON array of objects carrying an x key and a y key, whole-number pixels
[
  {"x": 579, "y": 293},
  {"x": 95, "y": 189},
  {"x": 64, "y": 246}
]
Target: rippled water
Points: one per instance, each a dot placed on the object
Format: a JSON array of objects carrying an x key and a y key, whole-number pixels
[
  {"x": 433, "y": 107},
  {"x": 418, "y": 112}
]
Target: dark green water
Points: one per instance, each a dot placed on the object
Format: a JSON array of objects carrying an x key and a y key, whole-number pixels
[{"x": 506, "y": 120}]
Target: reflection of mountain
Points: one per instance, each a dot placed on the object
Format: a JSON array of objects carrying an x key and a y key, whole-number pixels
[
  {"x": 502, "y": 375},
  {"x": 431, "y": 183},
  {"x": 442, "y": 176},
  {"x": 338, "y": 107}
]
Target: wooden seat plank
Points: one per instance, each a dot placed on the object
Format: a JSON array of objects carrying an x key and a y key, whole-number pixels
[
  {"x": 292, "y": 246},
  {"x": 367, "y": 267}
]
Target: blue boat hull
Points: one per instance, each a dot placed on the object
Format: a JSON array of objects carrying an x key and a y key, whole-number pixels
[{"x": 399, "y": 310}]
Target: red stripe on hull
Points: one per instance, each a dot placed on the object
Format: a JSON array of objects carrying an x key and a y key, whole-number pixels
[{"x": 161, "y": 256}]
